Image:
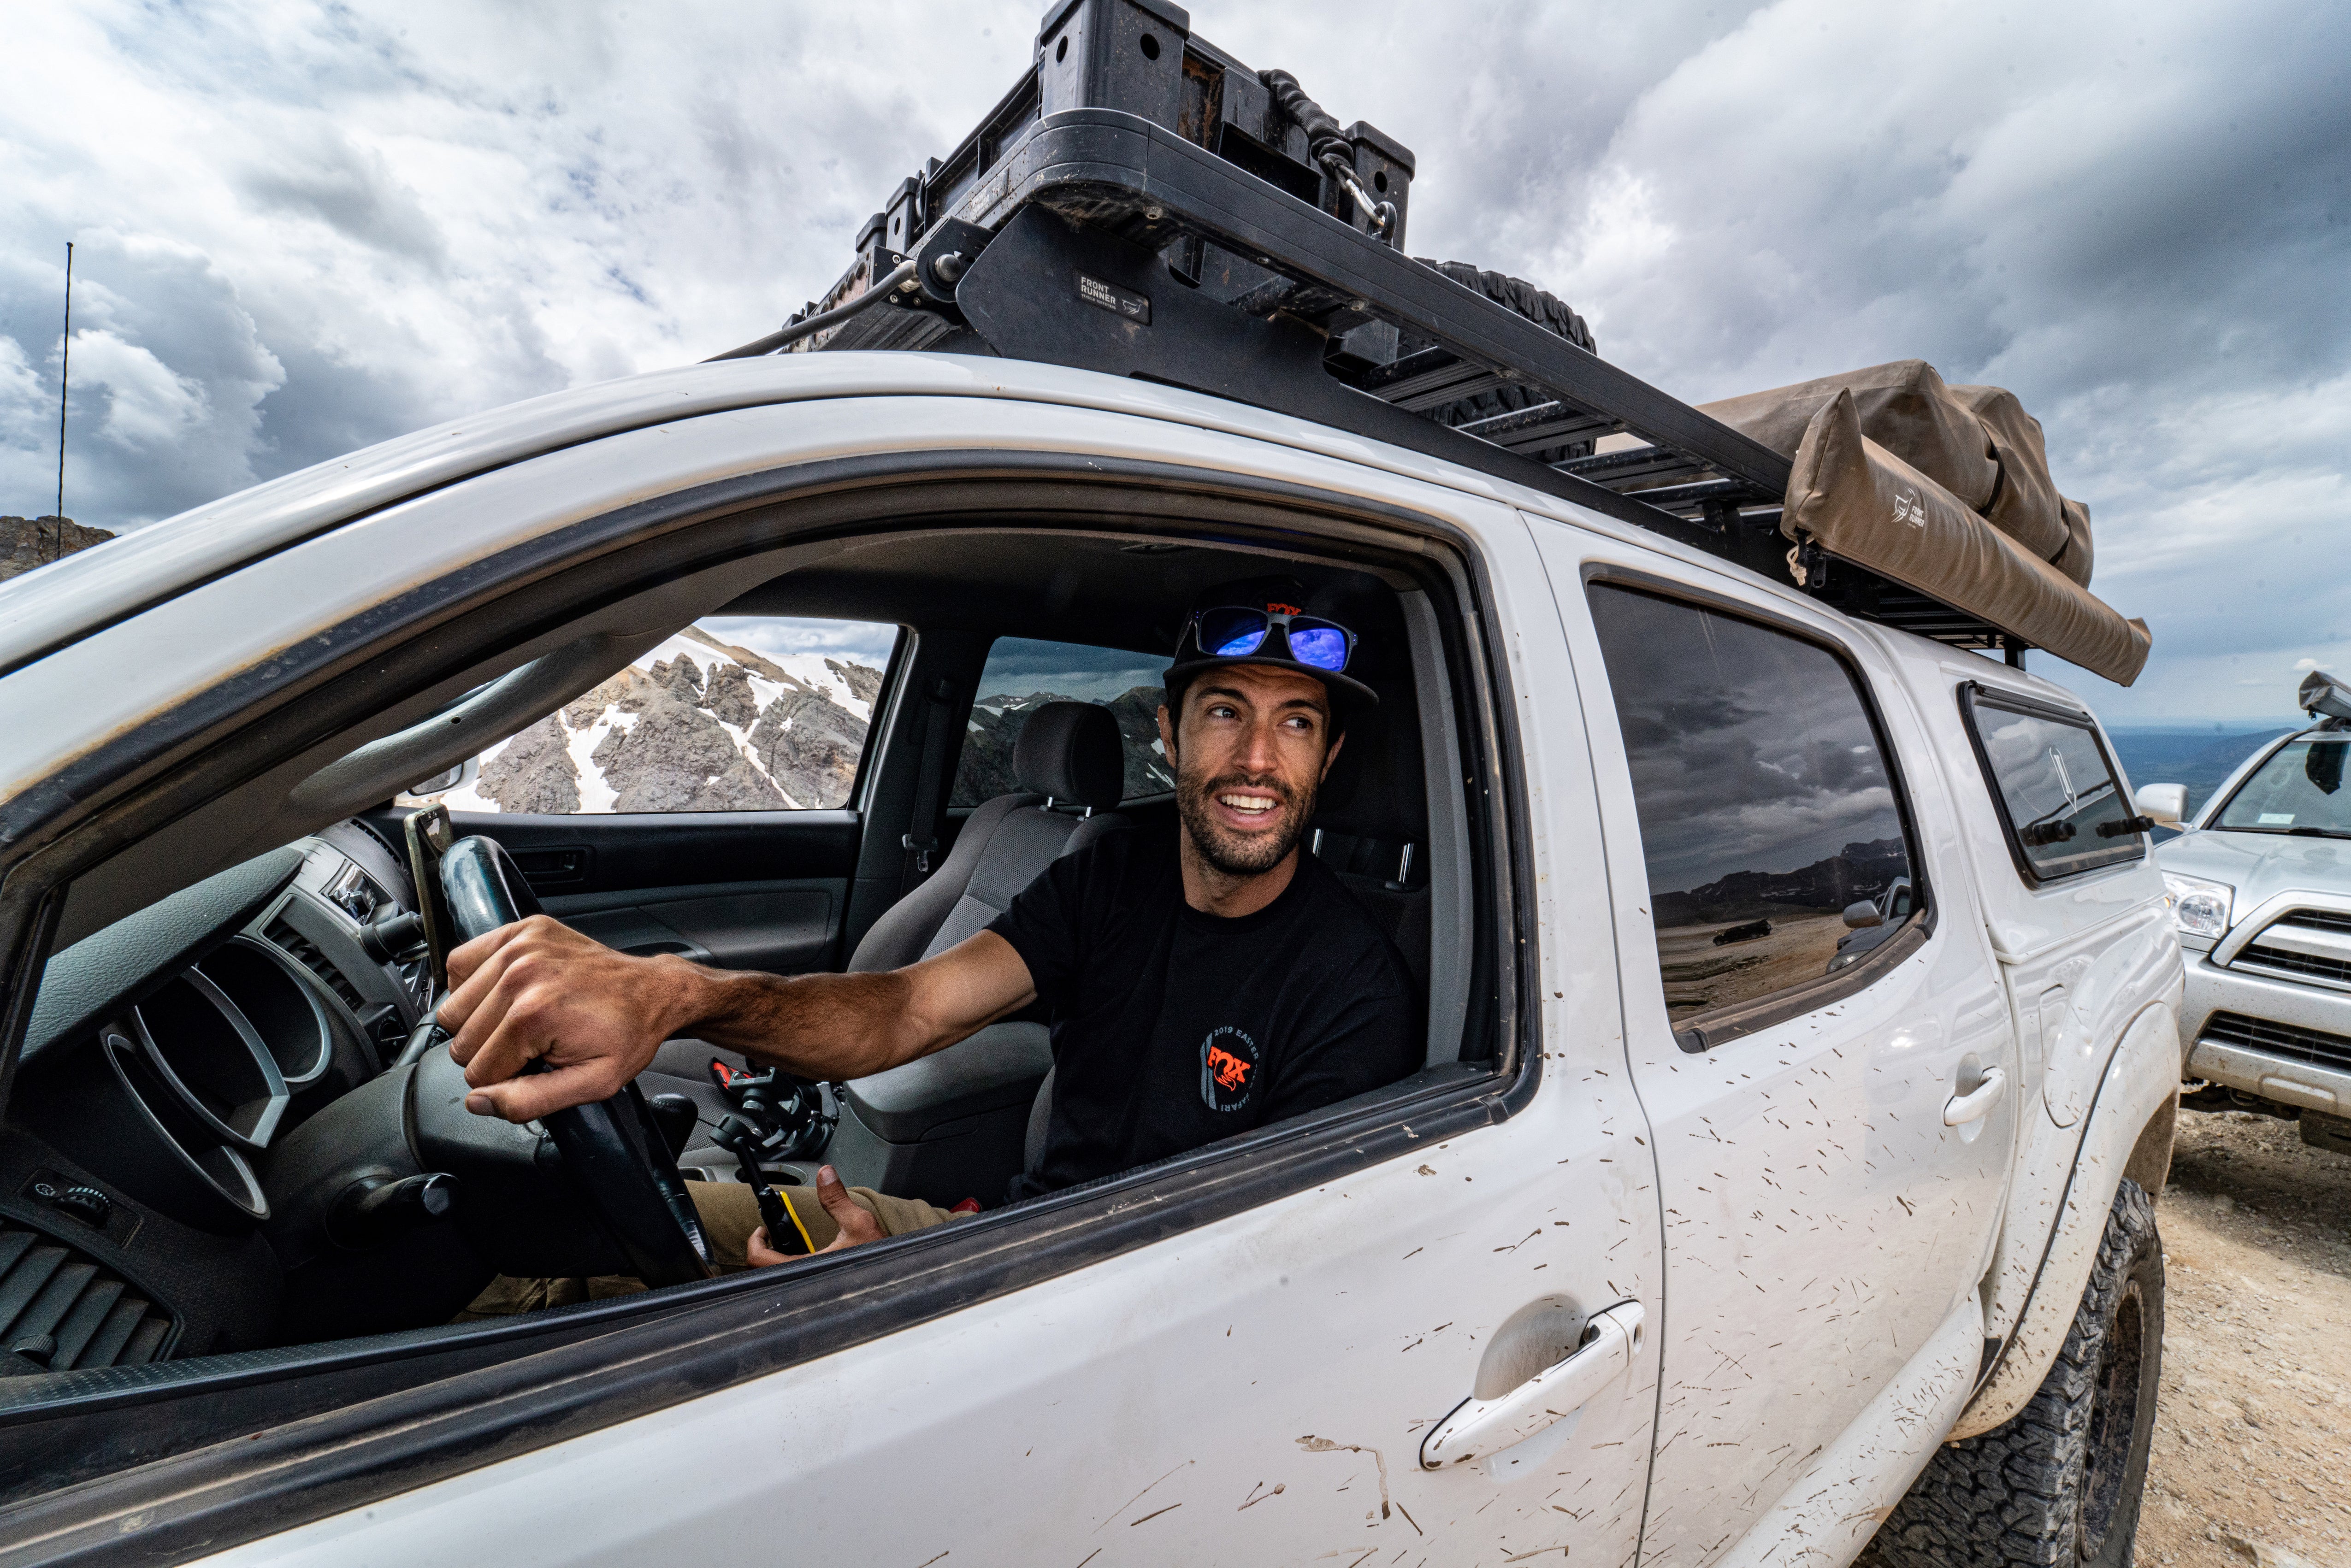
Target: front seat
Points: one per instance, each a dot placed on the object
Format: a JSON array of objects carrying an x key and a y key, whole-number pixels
[
  {"x": 898, "y": 1130},
  {"x": 1070, "y": 765}
]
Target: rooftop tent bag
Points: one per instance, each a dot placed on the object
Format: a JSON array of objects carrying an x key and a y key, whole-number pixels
[
  {"x": 1976, "y": 442},
  {"x": 1904, "y": 407},
  {"x": 1862, "y": 502},
  {"x": 2026, "y": 507},
  {"x": 2074, "y": 561}
]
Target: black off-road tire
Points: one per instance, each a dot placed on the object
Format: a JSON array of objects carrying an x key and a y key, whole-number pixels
[
  {"x": 1545, "y": 311},
  {"x": 2061, "y": 1484}
]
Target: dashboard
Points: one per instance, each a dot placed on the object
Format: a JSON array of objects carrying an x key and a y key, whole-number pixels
[{"x": 149, "y": 1208}]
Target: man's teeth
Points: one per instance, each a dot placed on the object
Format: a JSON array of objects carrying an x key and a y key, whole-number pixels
[{"x": 1247, "y": 802}]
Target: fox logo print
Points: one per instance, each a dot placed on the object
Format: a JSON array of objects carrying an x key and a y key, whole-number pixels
[{"x": 1227, "y": 1069}]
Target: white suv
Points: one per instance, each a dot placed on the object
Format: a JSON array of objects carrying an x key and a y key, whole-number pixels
[
  {"x": 2262, "y": 895},
  {"x": 1688, "y": 1242}
]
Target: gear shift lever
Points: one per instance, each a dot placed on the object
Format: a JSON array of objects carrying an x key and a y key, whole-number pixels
[{"x": 747, "y": 1142}]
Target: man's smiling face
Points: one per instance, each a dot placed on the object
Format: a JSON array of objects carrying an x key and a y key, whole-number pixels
[{"x": 1252, "y": 749}]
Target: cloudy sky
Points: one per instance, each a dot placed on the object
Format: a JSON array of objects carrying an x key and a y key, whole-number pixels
[{"x": 302, "y": 228}]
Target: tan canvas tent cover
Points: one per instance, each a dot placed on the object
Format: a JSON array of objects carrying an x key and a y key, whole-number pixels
[{"x": 1944, "y": 489}]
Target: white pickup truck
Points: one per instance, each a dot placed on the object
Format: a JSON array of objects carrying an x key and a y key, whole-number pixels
[
  {"x": 1690, "y": 1242},
  {"x": 1800, "y": 994}
]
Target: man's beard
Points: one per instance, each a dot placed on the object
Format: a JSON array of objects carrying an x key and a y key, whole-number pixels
[{"x": 1228, "y": 852}]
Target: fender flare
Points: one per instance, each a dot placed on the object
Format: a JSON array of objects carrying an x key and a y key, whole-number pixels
[{"x": 2134, "y": 1112}]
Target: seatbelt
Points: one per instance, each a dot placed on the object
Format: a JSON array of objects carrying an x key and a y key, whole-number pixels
[{"x": 930, "y": 786}]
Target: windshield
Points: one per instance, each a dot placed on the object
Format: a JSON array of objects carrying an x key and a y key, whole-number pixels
[{"x": 2298, "y": 790}]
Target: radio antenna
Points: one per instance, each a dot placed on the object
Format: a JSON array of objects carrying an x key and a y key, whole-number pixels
[{"x": 65, "y": 367}]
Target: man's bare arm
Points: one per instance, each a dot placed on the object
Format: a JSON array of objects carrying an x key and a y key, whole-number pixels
[
  {"x": 538, "y": 990},
  {"x": 847, "y": 1026}
]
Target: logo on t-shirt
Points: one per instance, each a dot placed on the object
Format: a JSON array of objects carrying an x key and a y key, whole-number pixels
[{"x": 1227, "y": 1069}]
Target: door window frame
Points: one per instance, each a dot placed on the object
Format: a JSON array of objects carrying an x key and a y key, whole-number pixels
[{"x": 1725, "y": 1024}]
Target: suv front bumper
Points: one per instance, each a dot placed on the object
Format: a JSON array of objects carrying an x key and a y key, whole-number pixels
[{"x": 2314, "y": 1077}]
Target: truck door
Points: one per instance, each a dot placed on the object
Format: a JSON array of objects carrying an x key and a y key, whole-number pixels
[
  {"x": 1817, "y": 1035},
  {"x": 1415, "y": 1334}
]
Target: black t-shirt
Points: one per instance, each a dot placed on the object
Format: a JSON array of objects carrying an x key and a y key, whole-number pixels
[{"x": 1173, "y": 1029}]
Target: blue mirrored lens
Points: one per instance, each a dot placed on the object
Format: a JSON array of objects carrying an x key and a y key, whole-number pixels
[
  {"x": 1322, "y": 647},
  {"x": 1247, "y": 643},
  {"x": 1232, "y": 633}
]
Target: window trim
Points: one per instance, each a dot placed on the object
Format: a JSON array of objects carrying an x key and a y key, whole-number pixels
[
  {"x": 153, "y": 1495},
  {"x": 1971, "y": 693},
  {"x": 1701, "y": 1033}
]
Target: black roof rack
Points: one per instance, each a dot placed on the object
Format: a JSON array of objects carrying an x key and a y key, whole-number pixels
[{"x": 1143, "y": 204}]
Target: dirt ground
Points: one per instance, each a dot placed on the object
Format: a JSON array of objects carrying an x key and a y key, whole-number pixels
[{"x": 2253, "y": 1440}]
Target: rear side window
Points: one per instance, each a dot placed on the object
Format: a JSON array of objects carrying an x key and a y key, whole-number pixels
[
  {"x": 1774, "y": 839},
  {"x": 1023, "y": 673},
  {"x": 2055, "y": 786}
]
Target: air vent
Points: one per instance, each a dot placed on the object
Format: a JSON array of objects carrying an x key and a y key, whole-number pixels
[
  {"x": 306, "y": 952},
  {"x": 59, "y": 1311},
  {"x": 2315, "y": 1046}
]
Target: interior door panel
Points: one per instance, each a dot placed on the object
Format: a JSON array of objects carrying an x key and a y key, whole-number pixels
[{"x": 740, "y": 890}]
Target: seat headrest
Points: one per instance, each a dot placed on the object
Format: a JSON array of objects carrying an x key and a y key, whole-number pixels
[
  {"x": 1071, "y": 751},
  {"x": 1376, "y": 788}
]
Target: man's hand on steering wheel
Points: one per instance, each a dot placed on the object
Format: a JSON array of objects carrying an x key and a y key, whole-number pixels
[{"x": 538, "y": 990}]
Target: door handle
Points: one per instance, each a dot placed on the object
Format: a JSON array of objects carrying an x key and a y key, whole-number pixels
[
  {"x": 1977, "y": 1102},
  {"x": 1481, "y": 1427}
]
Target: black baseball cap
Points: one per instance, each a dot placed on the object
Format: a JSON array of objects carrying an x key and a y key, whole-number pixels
[{"x": 1277, "y": 607}]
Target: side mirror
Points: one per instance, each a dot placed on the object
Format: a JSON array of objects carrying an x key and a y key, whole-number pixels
[
  {"x": 2166, "y": 804},
  {"x": 465, "y": 773},
  {"x": 1862, "y": 913}
]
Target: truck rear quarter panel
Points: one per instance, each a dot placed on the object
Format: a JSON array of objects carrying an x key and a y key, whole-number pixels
[{"x": 2093, "y": 972}]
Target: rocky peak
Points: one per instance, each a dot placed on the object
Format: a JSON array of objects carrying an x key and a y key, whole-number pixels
[
  {"x": 655, "y": 737},
  {"x": 28, "y": 542}
]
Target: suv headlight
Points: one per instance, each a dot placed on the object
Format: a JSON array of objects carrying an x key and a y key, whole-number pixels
[{"x": 2201, "y": 908}]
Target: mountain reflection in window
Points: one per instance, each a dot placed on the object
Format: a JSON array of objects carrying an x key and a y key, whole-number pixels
[{"x": 1765, "y": 804}]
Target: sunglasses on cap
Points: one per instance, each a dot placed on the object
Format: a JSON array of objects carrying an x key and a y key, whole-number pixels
[{"x": 1237, "y": 631}]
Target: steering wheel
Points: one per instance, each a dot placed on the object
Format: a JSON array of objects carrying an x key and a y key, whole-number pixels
[{"x": 611, "y": 1148}]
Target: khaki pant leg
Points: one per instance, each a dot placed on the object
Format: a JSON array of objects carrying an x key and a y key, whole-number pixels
[{"x": 729, "y": 1212}]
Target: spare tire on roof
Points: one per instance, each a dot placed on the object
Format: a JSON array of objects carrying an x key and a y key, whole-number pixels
[{"x": 1545, "y": 311}]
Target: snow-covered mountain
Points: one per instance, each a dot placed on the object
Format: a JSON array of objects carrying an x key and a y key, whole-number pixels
[{"x": 695, "y": 724}]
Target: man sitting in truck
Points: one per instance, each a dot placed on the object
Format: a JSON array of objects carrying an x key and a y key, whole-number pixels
[{"x": 1196, "y": 987}]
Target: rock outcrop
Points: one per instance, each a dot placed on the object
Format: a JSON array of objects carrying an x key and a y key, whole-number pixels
[
  {"x": 656, "y": 738},
  {"x": 729, "y": 697},
  {"x": 810, "y": 746},
  {"x": 28, "y": 542},
  {"x": 864, "y": 682},
  {"x": 534, "y": 771}
]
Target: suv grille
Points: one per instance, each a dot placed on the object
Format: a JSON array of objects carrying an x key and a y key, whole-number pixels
[
  {"x": 2314, "y": 1046},
  {"x": 306, "y": 952},
  {"x": 60, "y": 1311},
  {"x": 2302, "y": 945}
]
